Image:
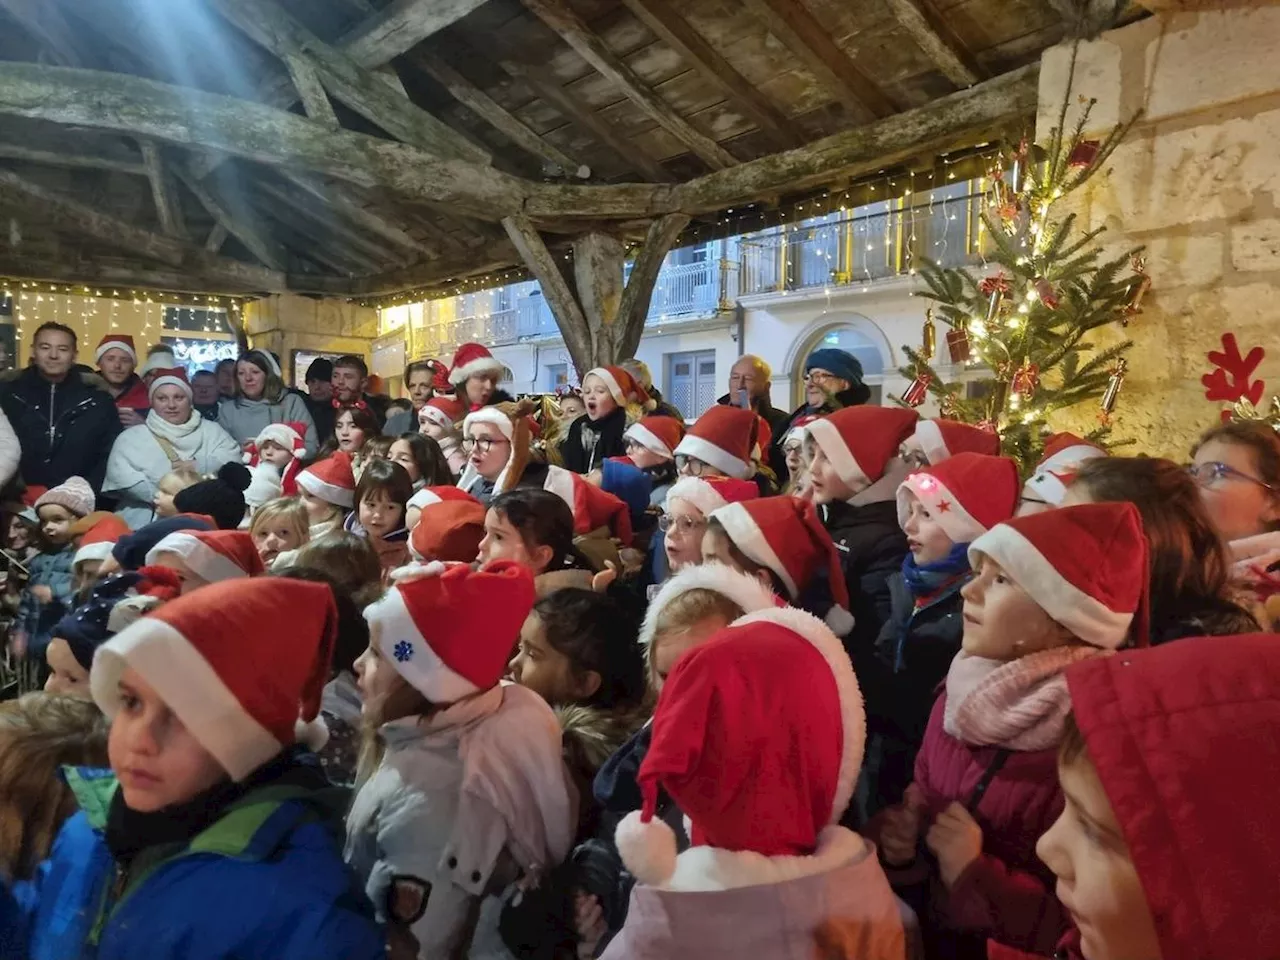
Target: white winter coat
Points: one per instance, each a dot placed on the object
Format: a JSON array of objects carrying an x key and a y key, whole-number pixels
[
  {"x": 479, "y": 784},
  {"x": 138, "y": 462},
  {"x": 10, "y": 451}
]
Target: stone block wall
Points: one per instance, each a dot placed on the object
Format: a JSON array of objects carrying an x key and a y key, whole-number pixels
[
  {"x": 1196, "y": 182},
  {"x": 285, "y": 323}
]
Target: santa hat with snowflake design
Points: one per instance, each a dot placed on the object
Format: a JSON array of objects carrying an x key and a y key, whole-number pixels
[
  {"x": 758, "y": 737},
  {"x": 449, "y": 630},
  {"x": 860, "y": 441},
  {"x": 212, "y": 555},
  {"x": 940, "y": 438},
  {"x": 967, "y": 494},
  {"x": 203, "y": 653},
  {"x": 1063, "y": 454},
  {"x": 331, "y": 480}
]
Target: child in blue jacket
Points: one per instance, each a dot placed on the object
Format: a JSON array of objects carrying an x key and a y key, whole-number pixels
[{"x": 212, "y": 836}]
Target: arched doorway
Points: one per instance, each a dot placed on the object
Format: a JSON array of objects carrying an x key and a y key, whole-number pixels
[{"x": 851, "y": 332}]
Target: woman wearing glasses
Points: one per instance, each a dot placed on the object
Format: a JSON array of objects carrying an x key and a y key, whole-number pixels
[{"x": 496, "y": 441}]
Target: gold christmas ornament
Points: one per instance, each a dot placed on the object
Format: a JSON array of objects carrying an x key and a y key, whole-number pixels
[
  {"x": 928, "y": 336},
  {"x": 1113, "y": 385}
]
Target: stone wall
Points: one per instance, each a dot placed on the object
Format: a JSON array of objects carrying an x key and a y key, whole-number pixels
[
  {"x": 1196, "y": 182},
  {"x": 285, "y": 323}
]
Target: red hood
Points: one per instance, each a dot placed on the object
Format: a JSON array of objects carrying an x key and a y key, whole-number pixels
[
  {"x": 1186, "y": 741},
  {"x": 135, "y": 396}
]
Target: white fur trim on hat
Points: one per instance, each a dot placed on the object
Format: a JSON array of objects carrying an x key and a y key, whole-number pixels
[
  {"x": 562, "y": 483},
  {"x": 853, "y": 716},
  {"x": 283, "y": 436},
  {"x": 421, "y": 667},
  {"x": 740, "y": 588},
  {"x": 92, "y": 551},
  {"x": 708, "y": 452},
  {"x": 436, "y": 416},
  {"x": 828, "y": 438},
  {"x": 648, "y": 849},
  {"x": 160, "y": 360},
  {"x": 747, "y": 537},
  {"x": 610, "y": 381},
  {"x": 649, "y": 440},
  {"x": 1045, "y": 486},
  {"x": 479, "y": 365},
  {"x": 929, "y": 436},
  {"x": 328, "y": 492},
  {"x": 1086, "y": 617},
  {"x": 114, "y": 345},
  {"x": 710, "y": 869},
  {"x": 948, "y": 512},
  {"x": 203, "y": 560},
  {"x": 698, "y": 492},
  {"x": 190, "y": 687},
  {"x": 159, "y": 382}
]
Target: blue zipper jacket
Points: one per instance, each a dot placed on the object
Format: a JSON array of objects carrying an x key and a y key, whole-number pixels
[{"x": 265, "y": 881}]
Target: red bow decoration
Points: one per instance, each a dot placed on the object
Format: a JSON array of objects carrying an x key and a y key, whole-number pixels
[
  {"x": 348, "y": 404},
  {"x": 1027, "y": 379},
  {"x": 993, "y": 283},
  {"x": 1229, "y": 362},
  {"x": 1048, "y": 296}
]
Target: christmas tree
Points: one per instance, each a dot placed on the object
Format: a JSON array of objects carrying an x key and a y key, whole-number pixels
[{"x": 1029, "y": 319}]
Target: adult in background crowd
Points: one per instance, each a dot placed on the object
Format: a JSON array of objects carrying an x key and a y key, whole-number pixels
[
  {"x": 225, "y": 373},
  {"x": 350, "y": 381},
  {"x": 832, "y": 381},
  {"x": 319, "y": 383},
  {"x": 174, "y": 436},
  {"x": 262, "y": 399},
  {"x": 640, "y": 370},
  {"x": 475, "y": 376},
  {"x": 204, "y": 393},
  {"x": 117, "y": 359},
  {"x": 65, "y": 427},
  {"x": 419, "y": 381},
  {"x": 749, "y": 380}
]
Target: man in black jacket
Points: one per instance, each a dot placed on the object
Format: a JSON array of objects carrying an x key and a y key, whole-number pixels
[
  {"x": 65, "y": 426},
  {"x": 749, "y": 380}
]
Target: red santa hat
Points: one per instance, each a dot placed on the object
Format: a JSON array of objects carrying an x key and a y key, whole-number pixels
[
  {"x": 592, "y": 507},
  {"x": 860, "y": 441},
  {"x": 1063, "y": 453},
  {"x": 212, "y": 555},
  {"x": 440, "y": 376},
  {"x": 472, "y": 360},
  {"x": 724, "y": 437},
  {"x": 222, "y": 659},
  {"x": 967, "y": 494},
  {"x": 1085, "y": 566},
  {"x": 116, "y": 341},
  {"x": 709, "y": 494},
  {"x": 331, "y": 480},
  {"x": 449, "y": 530},
  {"x": 291, "y": 435},
  {"x": 173, "y": 377},
  {"x": 758, "y": 737},
  {"x": 785, "y": 535},
  {"x": 449, "y": 630},
  {"x": 658, "y": 434},
  {"x": 625, "y": 389},
  {"x": 97, "y": 542},
  {"x": 442, "y": 411},
  {"x": 940, "y": 438},
  {"x": 798, "y": 429},
  {"x": 748, "y": 593}
]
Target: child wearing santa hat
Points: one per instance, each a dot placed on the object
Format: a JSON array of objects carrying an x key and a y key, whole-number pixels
[
  {"x": 328, "y": 491},
  {"x": 279, "y": 526},
  {"x": 613, "y": 398},
  {"x": 1047, "y": 486},
  {"x": 757, "y": 738},
  {"x": 475, "y": 375},
  {"x": 937, "y": 439},
  {"x": 202, "y": 557},
  {"x": 651, "y": 445},
  {"x": 690, "y": 502},
  {"x": 941, "y": 509},
  {"x": 854, "y": 473},
  {"x": 210, "y": 836},
  {"x": 496, "y": 441},
  {"x": 282, "y": 445},
  {"x": 98, "y": 532},
  {"x": 723, "y": 442},
  {"x": 438, "y": 419},
  {"x": 1050, "y": 590},
  {"x": 470, "y": 776}
]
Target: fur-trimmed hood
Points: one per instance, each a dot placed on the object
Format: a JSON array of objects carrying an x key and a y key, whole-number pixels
[{"x": 592, "y": 735}]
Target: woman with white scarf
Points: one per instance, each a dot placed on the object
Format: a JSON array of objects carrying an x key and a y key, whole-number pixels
[{"x": 174, "y": 435}]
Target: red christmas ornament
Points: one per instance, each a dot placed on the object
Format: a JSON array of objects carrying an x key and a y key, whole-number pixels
[
  {"x": 915, "y": 394},
  {"x": 1026, "y": 379},
  {"x": 1083, "y": 153},
  {"x": 1048, "y": 295},
  {"x": 958, "y": 345},
  {"x": 989, "y": 425},
  {"x": 997, "y": 281}
]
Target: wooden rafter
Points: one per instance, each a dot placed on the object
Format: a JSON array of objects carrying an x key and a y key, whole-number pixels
[
  {"x": 237, "y": 222},
  {"x": 168, "y": 207},
  {"x": 677, "y": 33},
  {"x": 331, "y": 224},
  {"x": 217, "y": 237},
  {"x": 792, "y": 23},
  {"x": 938, "y": 41},
  {"x": 119, "y": 161},
  {"x": 569, "y": 315},
  {"x": 399, "y": 27},
  {"x": 638, "y": 294},
  {"x": 269, "y": 25},
  {"x": 214, "y": 275},
  {"x": 306, "y": 81},
  {"x": 362, "y": 217},
  {"x": 556, "y": 15},
  {"x": 1085, "y": 19}
]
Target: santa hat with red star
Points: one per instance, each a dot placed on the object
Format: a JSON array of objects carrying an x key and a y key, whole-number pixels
[
  {"x": 757, "y": 737},
  {"x": 212, "y": 555},
  {"x": 724, "y": 437},
  {"x": 208, "y": 658},
  {"x": 940, "y": 438},
  {"x": 711, "y": 493},
  {"x": 860, "y": 441},
  {"x": 471, "y": 360},
  {"x": 592, "y": 507},
  {"x": 967, "y": 494},
  {"x": 658, "y": 434},
  {"x": 331, "y": 480},
  {"x": 1063, "y": 454}
]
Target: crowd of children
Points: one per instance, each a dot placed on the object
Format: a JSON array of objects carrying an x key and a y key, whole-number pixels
[{"x": 855, "y": 690}]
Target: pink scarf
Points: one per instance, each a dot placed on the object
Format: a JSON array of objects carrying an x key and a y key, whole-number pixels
[{"x": 1016, "y": 704}]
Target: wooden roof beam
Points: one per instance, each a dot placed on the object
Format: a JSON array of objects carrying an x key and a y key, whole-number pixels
[
  {"x": 399, "y": 27},
  {"x": 219, "y": 276},
  {"x": 556, "y": 15},
  {"x": 792, "y": 23},
  {"x": 678, "y": 34},
  {"x": 362, "y": 217},
  {"x": 306, "y": 81},
  {"x": 117, "y": 161},
  {"x": 270, "y": 26},
  {"x": 238, "y": 222},
  {"x": 332, "y": 225},
  {"x": 168, "y": 207},
  {"x": 939, "y": 42}
]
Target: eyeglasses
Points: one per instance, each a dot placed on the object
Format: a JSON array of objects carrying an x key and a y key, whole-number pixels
[
  {"x": 690, "y": 466},
  {"x": 484, "y": 444},
  {"x": 686, "y": 525},
  {"x": 819, "y": 377},
  {"x": 1210, "y": 473}
]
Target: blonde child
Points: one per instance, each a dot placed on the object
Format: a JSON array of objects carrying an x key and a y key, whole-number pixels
[
  {"x": 51, "y": 585},
  {"x": 211, "y": 836},
  {"x": 170, "y": 485},
  {"x": 328, "y": 489},
  {"x": 469, "y": 793},
  {"x": 345, "y": 558},
  {"x": 607, "y": 393},
  {"x": 279, "y": 525}
]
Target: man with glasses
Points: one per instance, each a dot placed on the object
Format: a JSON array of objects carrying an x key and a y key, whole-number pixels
[{"x": 832, "y": 381}]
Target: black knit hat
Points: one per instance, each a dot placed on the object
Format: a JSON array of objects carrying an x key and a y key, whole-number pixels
[
  {"x": 131, "y": 550},
  {"x": 221, "y": 498},
  {"x": 321, "y": 369}
]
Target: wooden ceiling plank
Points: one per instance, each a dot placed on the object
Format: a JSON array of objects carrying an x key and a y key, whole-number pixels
[
  {"x": 270, "y": 26},
  {"x": 64, "y": 158},
  {"x": 217, "y": 237},
  {"x": 238, "y": 222},
  {"x": 168, "y": 207},
  {"x": 556, "y": 15},
  {"x": 792, "y": 23},
  {"x": 362, "y": 217},
  {"x": 332, "y": 225},
  {"x": 213, "y": 275},
  {"x": 939, "y": 42},
  {"x": 306, "y": 81},
  {"x": 399, "y": 27},
  {"x": 677, "y": 33}
]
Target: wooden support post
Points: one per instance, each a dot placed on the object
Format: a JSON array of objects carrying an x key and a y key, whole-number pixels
[
  {"x": 597, "y": 273},
  {"x": 564, "y": 305},
  {"x": 634, "y": 309},
  {"x": 168, "y": 207}
]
